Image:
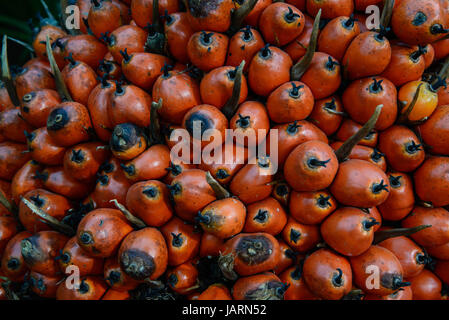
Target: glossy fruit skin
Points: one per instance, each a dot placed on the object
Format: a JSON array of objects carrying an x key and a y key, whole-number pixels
[
  {"x": 311, "y": 207},
  {"x": 12, "y": 158},
  {"x": 429, "y": 55},
  {"x": 441, "y": 48},
  {"x": 243, "y": 46},
  {"x": 269, "y": 68},
  {"x": 253, "y": 17},
  {"x": 438, "y": 218},
  {"x": 254, "y": 287},
  {"x": 55, "y": 179},
  {"x": 281, "y": 192},
  {"x": 426, "y": 103},
  {"x": 83, "y": 161},
  {"x": 435, "y": 131},
  {"x": 142, "y": 69},
  {"x": 44, "y": 286},
  {"x": 265, "y": 216},
  {"x": 39, "y": 63},
  {"x": 52, "y": 32},
  {"x": 37, "y": 105},
  {"x": 322, "y": 76},
  {"x": 368, "y": 54},
  {"x": 149, "y": 165},
  {"x": 300, "y": 4},
  {"x": 207, "y": 117},
  {"x": 401, "y": 199},
  {"x": 97, "y": 104},
  {"x": 24, "y": 181},
  {"x": 292, "y": 134},
  {"x": 254, "y": 252},
  {"x": 439, "y": 252},
  {"x": 298, "y": 289},
  {"x": 191, "y": 193},
  {"x": 12, "y": 264},
  {"x": 297, "y": 48},
  {"x": 183, "y": 278},
  {"x": 311, "y": 166},
  {"x": 441, "y": 270},
  {"x": 130, "y": 38},
  {"x": 412, "y": 257},
  {"x": 360, "y": 184},
  {"x": 390, "y": 270},
  {"x": 289, "y": 102},
  {"x": 360, "y": 152},
  {"x": 349, "y": 127},
  {"x": 431, "y": 182},
  {"x": 321, "y": 273},
  {"x": 127, "y": 141},
  {"x": 214, "y": 16},
  {"x": 207, "y": 50},
  {"x": 223, "y": 170},
  {"x": 252, "y": 183},
  {"x": 146, "y": 247},
  {"x": 402, "y": 148},
  {"x": 250, "y": 117},
  {"x": 412, "y": 23},
  {"x": 330, "y": 8},
  {"x": 51, "y": 203},
  {"x": 300, "y": 237},
  {"x": 68, "y": 124},
  {"x": 116, "y": 278},
  {"x": 130, "y": 104},
  {"x": 287, "y": 258},
  {"x": 349, "y": 231},
  {"x": 362, "y": 97},
  {"x": 80, "y": 80},
  {"x": 104, "y": 18},
  {"x": 6, "y": 192},
  {"x": 281, "y": 23},
  {"x": 406, "y": 64},
  {"x": 74, "y": 255},
  {"x": 43, "y": 149},
  {"x": 183, "y": 241},
  {"x": 114, "y": 295},
  {"x": 174, "y": 107},
  {"x": 149, "y": 200},
  {"x": 142, "y": 10},
  {"x": 8, "y": 229},
  {"x": 426, "y": 286},
  {"x": 91, "y": 288},
  {"x": 101, "y": 231},
  {"x": 216, "y": 86},
  {"x": 223, "y": 218},
  {"x": 40, "y": 250},
  {"x": 12, "y": 126},
  {"x": 215, "y": 292},
  {"x": 85, "y": 48},
  {"x": 336, "y": 36},
  {"x": 178, "y": 32},
  {"x": 5, "y": 100},
  {"x": 33, "y": 79},
  {"x": 405, "y": 294},
  {"x": 210, "y": 245},
  {"x": 323, "y": 117},
  {"x": 112, "y": 185}
]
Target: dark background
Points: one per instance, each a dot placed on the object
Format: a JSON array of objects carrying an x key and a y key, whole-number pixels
[{"x": 14, "y": 15}]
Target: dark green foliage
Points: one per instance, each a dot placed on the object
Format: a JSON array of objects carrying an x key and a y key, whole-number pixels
[{"x": 14, "y": 18}]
